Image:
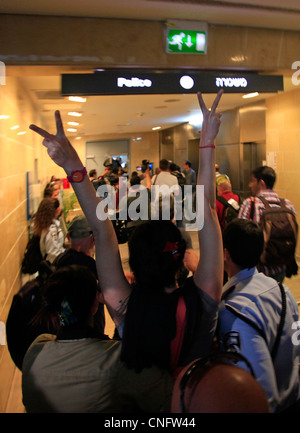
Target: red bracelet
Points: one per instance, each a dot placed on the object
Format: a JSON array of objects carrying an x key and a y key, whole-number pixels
[{"x": 205, "y": 147}]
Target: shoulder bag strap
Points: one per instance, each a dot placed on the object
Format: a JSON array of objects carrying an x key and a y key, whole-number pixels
[
  {"x": 222, "y": 200},
  {"x": 225, "y": 206},
  {"x": 281, "y": 323},
  {"x": 252, "y": 208}
]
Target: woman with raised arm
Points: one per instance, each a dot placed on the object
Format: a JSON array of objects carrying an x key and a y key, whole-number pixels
[{"x": 151, "y": 314}]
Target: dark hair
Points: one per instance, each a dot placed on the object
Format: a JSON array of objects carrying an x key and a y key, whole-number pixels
[
  {"x": 135, "y": 180},
  {"x": 174, "y": 167},
  {"x": 68, "y": 296},
  {"x": 164, "y": 164},
  {"x": 265, "y": 173},
  {"x": 188, "y": 163},
  {"x": 48, "y": 191},
  {"x": 244, "y": 241},
  {"x": 92, "y": 172},
  {"x": 156, "y": 250}
]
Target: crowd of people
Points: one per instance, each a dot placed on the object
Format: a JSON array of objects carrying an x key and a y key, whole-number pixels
[{"x": 186, "y": 339}]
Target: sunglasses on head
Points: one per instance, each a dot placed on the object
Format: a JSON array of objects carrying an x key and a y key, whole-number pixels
[{"x": 211, "y": 359}]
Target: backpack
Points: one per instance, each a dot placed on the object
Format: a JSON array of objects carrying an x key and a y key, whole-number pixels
[
  {"x": 280, "y": 230},
  {"x": 231, "y": 209},
  {"x": 180, "y": 177},
  {"x": 20, "y": 333},
  {"x": 32, "y": 256}
]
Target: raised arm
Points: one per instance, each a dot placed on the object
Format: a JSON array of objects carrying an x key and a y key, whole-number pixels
[
  {"x": 114, "y": 285},
  {"x": 209, "y": 273}
]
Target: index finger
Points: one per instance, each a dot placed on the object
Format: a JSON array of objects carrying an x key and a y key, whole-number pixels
[
  {"x": 59, "y": 125},
  {"x": 41, "y": 131},
  {"x": 216, "y": 101},
  {"x": 202, "y": 103}
]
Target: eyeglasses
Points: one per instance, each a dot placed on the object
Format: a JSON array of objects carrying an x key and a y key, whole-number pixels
[{"x": 209, "y": 360}]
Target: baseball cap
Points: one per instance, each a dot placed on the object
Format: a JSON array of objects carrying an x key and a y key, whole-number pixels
[{"x": 79, "y": 227}]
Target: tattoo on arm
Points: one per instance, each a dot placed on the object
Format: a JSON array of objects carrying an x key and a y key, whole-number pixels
[{"x": 121, "y": 309}]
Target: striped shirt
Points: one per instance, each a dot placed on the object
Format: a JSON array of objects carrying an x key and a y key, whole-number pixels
[{"x": 245, "y": 211}]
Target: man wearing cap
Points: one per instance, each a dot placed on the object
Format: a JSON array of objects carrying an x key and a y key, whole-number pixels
[{"x": 81, "y": 253}]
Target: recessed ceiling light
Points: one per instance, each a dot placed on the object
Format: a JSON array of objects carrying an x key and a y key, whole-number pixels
[
  {"x": 250, "y": 95},
  {"x": 3, "y": 116},
  {"x": 21, "y": 133},
  {"x": 156, "y": 127},
  {"x": 72, "y": 130},
  {"x": 15, "y": 127},
  {"x": 73, "y": 123},
  {"x": 74, "y": 113},
  {"x": 77, "y": 99}
]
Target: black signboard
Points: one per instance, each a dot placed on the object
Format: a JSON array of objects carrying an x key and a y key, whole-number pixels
[{"x": 147, "y": 82}]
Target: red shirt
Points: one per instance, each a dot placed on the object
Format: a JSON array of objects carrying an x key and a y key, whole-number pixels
[{"x": 220, "y": 207}]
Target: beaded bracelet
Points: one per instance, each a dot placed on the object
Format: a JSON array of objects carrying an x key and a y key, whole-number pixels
[{"x": 205, "y": 147}]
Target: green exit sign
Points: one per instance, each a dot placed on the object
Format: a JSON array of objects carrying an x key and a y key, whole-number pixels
[{"x": 186, "y": 41}]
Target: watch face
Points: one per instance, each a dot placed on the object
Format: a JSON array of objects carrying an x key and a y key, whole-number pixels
[{"x": 77, "y": 176}]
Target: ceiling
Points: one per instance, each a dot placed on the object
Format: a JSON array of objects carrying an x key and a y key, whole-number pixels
[
  {"x": 137, "y": 114},
  {"x": 254, "y": 13},
  {"x": 127, "y": 114}
]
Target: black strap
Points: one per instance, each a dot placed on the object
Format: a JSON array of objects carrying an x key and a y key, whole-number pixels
[
  {"x": 252, "y": 208},
  {"x": 281, "y": 324},
  {"x": 225, "y": 206},
  {"x": 267, "y": 203},
  {"x": 222, "y": 200},
  {"x": 228, "y": 292},
  {"x": 247, "y": 320}
]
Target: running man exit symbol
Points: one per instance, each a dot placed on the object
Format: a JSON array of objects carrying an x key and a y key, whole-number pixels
[{"x": 186, "y": 42}]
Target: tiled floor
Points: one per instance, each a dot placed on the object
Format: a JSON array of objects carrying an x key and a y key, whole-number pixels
[{"x": 15, "y": 399}]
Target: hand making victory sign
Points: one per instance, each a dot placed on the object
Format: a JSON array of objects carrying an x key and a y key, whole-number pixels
[
  {"x": 58, "y": 146},
  {"x": 109, "y": 266},
  {"x": 211, "y": 119}
]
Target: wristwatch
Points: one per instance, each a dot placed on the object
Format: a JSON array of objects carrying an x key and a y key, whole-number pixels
[{"x": 77, "y": 176}]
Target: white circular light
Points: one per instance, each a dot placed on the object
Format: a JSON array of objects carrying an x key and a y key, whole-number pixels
[{"x": 186, "y": 82}]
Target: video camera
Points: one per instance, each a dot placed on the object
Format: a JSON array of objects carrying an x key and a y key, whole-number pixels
[
  {"x": 112, "y": 163},
  {"x": 145, "y": 165}
]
